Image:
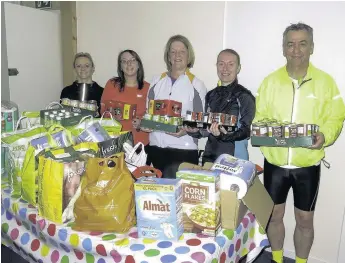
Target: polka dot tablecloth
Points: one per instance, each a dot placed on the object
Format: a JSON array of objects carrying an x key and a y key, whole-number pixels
[{"x": 39, "y": 240}]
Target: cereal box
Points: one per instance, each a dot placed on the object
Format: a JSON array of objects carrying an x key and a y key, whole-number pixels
[
  {"x": 200, "y": 201},
  {"x": 159, "y": 208}
]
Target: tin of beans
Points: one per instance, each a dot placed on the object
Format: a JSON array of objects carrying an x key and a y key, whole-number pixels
[
  {"x": 74, "y": 103},
  {"x": 66, "y": 101}
]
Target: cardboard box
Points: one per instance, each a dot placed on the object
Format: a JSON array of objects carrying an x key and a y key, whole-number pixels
[
  {"x": 159, "y": 126},
  {"x": 303, "y": 141},
  {"x": 257, "y": 200},
  {"x": 120, "y": 110},
  {"x": 71, "y": 121},
  {"x": 159, "y": 208},
  {"x": 200, "y": 201},
  {"x": 170, "y": 108}
]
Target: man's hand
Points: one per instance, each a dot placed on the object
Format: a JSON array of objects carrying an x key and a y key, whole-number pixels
[
  {"x": 215, "y": 130},
  {"x": 319, "y": 141},
  {"x": 179, "y": 134},
  {"x": 136, "y": 123}
]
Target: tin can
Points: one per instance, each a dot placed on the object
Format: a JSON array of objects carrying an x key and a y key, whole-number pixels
[
  {"x": 63, "y": 111},
  {"x": 66, "y": 101},
  {"x": 206, "y": 116},
  {"x": 75, "y": 114},
  {"x": 200, "y": 116},
  {"x": 274, "y": 130},
  {"x": 286, "y": 128},
  {"x": 147, "y": 116},
  {"x": 194, "y": 116},
  {"x": 259, "y": 129},
  {"x": 315, "y": 128},
  {"x": 83, "y": 105},
  {"x": 293, "y": 131},
  {"x": 304, "y": 130},
  {"x": 175, "y": 121},
  {"x": 74, "y": 103},
  {"x": 92, "y": 106},
  {"x": 55, "y": 112},
  {"x": 167, "y": 119},
  {"x": 188, "y": 116},
  {"x": 156, "y": 118}
]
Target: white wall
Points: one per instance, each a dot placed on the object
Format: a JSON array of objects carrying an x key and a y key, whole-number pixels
[
  {"x": 106, "y": 28},
  {"x": 255, "y": 30}
]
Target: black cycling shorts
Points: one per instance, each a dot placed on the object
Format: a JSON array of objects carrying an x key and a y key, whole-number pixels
[{"x": 304, "y": 182}]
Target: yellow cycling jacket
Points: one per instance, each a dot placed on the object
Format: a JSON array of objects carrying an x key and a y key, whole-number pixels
[{"x": 316, "y": 101}]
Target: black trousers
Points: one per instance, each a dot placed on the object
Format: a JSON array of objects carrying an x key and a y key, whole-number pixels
[{"x": 167, "y": 160}]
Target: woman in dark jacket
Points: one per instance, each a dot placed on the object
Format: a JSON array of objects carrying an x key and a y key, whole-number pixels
[{"x": 84, "y": 69}]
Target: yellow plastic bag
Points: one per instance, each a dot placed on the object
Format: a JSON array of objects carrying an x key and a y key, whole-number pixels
[
  {"x": 107, "y": 201},
  {"x": 59, "y": 175},
  {"x": 30, "y": 165}
]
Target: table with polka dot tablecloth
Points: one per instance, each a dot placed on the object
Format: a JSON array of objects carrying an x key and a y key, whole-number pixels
[{"x": 39, "y": 240}]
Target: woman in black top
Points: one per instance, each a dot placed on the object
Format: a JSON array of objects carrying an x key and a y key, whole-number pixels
[{"x": 84, "y": 69}]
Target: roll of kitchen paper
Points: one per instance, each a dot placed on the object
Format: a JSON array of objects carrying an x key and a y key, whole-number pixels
[{"x": 235, "y": 174}]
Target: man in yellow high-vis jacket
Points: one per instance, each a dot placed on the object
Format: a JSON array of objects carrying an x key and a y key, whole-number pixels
[{"x": 297, "y": 93}]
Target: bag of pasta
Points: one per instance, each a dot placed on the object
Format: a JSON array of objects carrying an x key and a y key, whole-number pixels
[{"x": 106, "y": 202}]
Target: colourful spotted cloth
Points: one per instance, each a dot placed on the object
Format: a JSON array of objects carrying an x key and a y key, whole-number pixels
[{"x": 37, "y": 239}]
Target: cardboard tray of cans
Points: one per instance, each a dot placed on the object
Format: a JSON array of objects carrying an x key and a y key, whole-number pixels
[
  {"x": 271, "y": 134},
  {"x": 68, "y": 116},
  {"x": 204, "y": 120},
  {"x": 161, "y": 123}
]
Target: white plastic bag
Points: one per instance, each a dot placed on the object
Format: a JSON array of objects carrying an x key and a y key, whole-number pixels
[{"x": 133, "y": 159}]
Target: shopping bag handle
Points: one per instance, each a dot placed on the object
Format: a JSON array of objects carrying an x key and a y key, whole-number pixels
[
  {"x": 20, "y": 120},
  {"x": 145, "y": 171},
  {"x": 52, "y": 104},
  {"x": 135, "y": 148}
]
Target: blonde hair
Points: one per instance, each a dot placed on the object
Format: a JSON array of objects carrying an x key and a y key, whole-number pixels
[
  {"x": 83, "y": 55},
  {"x": 188, "y": 45}
]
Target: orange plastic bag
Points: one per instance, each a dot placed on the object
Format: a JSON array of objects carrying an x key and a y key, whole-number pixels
[{"x": 106, "y": 202}]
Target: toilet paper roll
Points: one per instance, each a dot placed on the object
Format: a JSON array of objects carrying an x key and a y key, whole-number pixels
[
  {"x": 235, "y": 174},
  {"x": 234, "y": 183}
]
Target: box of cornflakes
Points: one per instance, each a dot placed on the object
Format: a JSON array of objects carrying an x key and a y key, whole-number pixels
[{"x": 200, "y": 200}]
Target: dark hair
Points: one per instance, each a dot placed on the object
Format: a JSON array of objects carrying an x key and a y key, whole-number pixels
[
  {"x": 297, "y": 27},
  {"x": 121, "y": 76},
  {"x": 231, "y": 51}
]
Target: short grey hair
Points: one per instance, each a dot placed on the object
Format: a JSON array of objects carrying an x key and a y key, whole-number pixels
[
  {"x": 297, "y": 27},
  {"x": 188, "y": 45},
  {"x": 83, "y": 55}
]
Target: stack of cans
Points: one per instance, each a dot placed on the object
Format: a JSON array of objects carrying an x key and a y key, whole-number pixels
[
  {"x": 177, "y": 121},
  {"x": 205, "y": 119},
  {"x": 273, "y": 128},
  {"x": 90, "y": 105}
]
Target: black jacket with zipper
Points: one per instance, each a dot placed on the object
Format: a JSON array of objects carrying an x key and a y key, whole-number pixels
[{"x": 233, "y": 99}]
